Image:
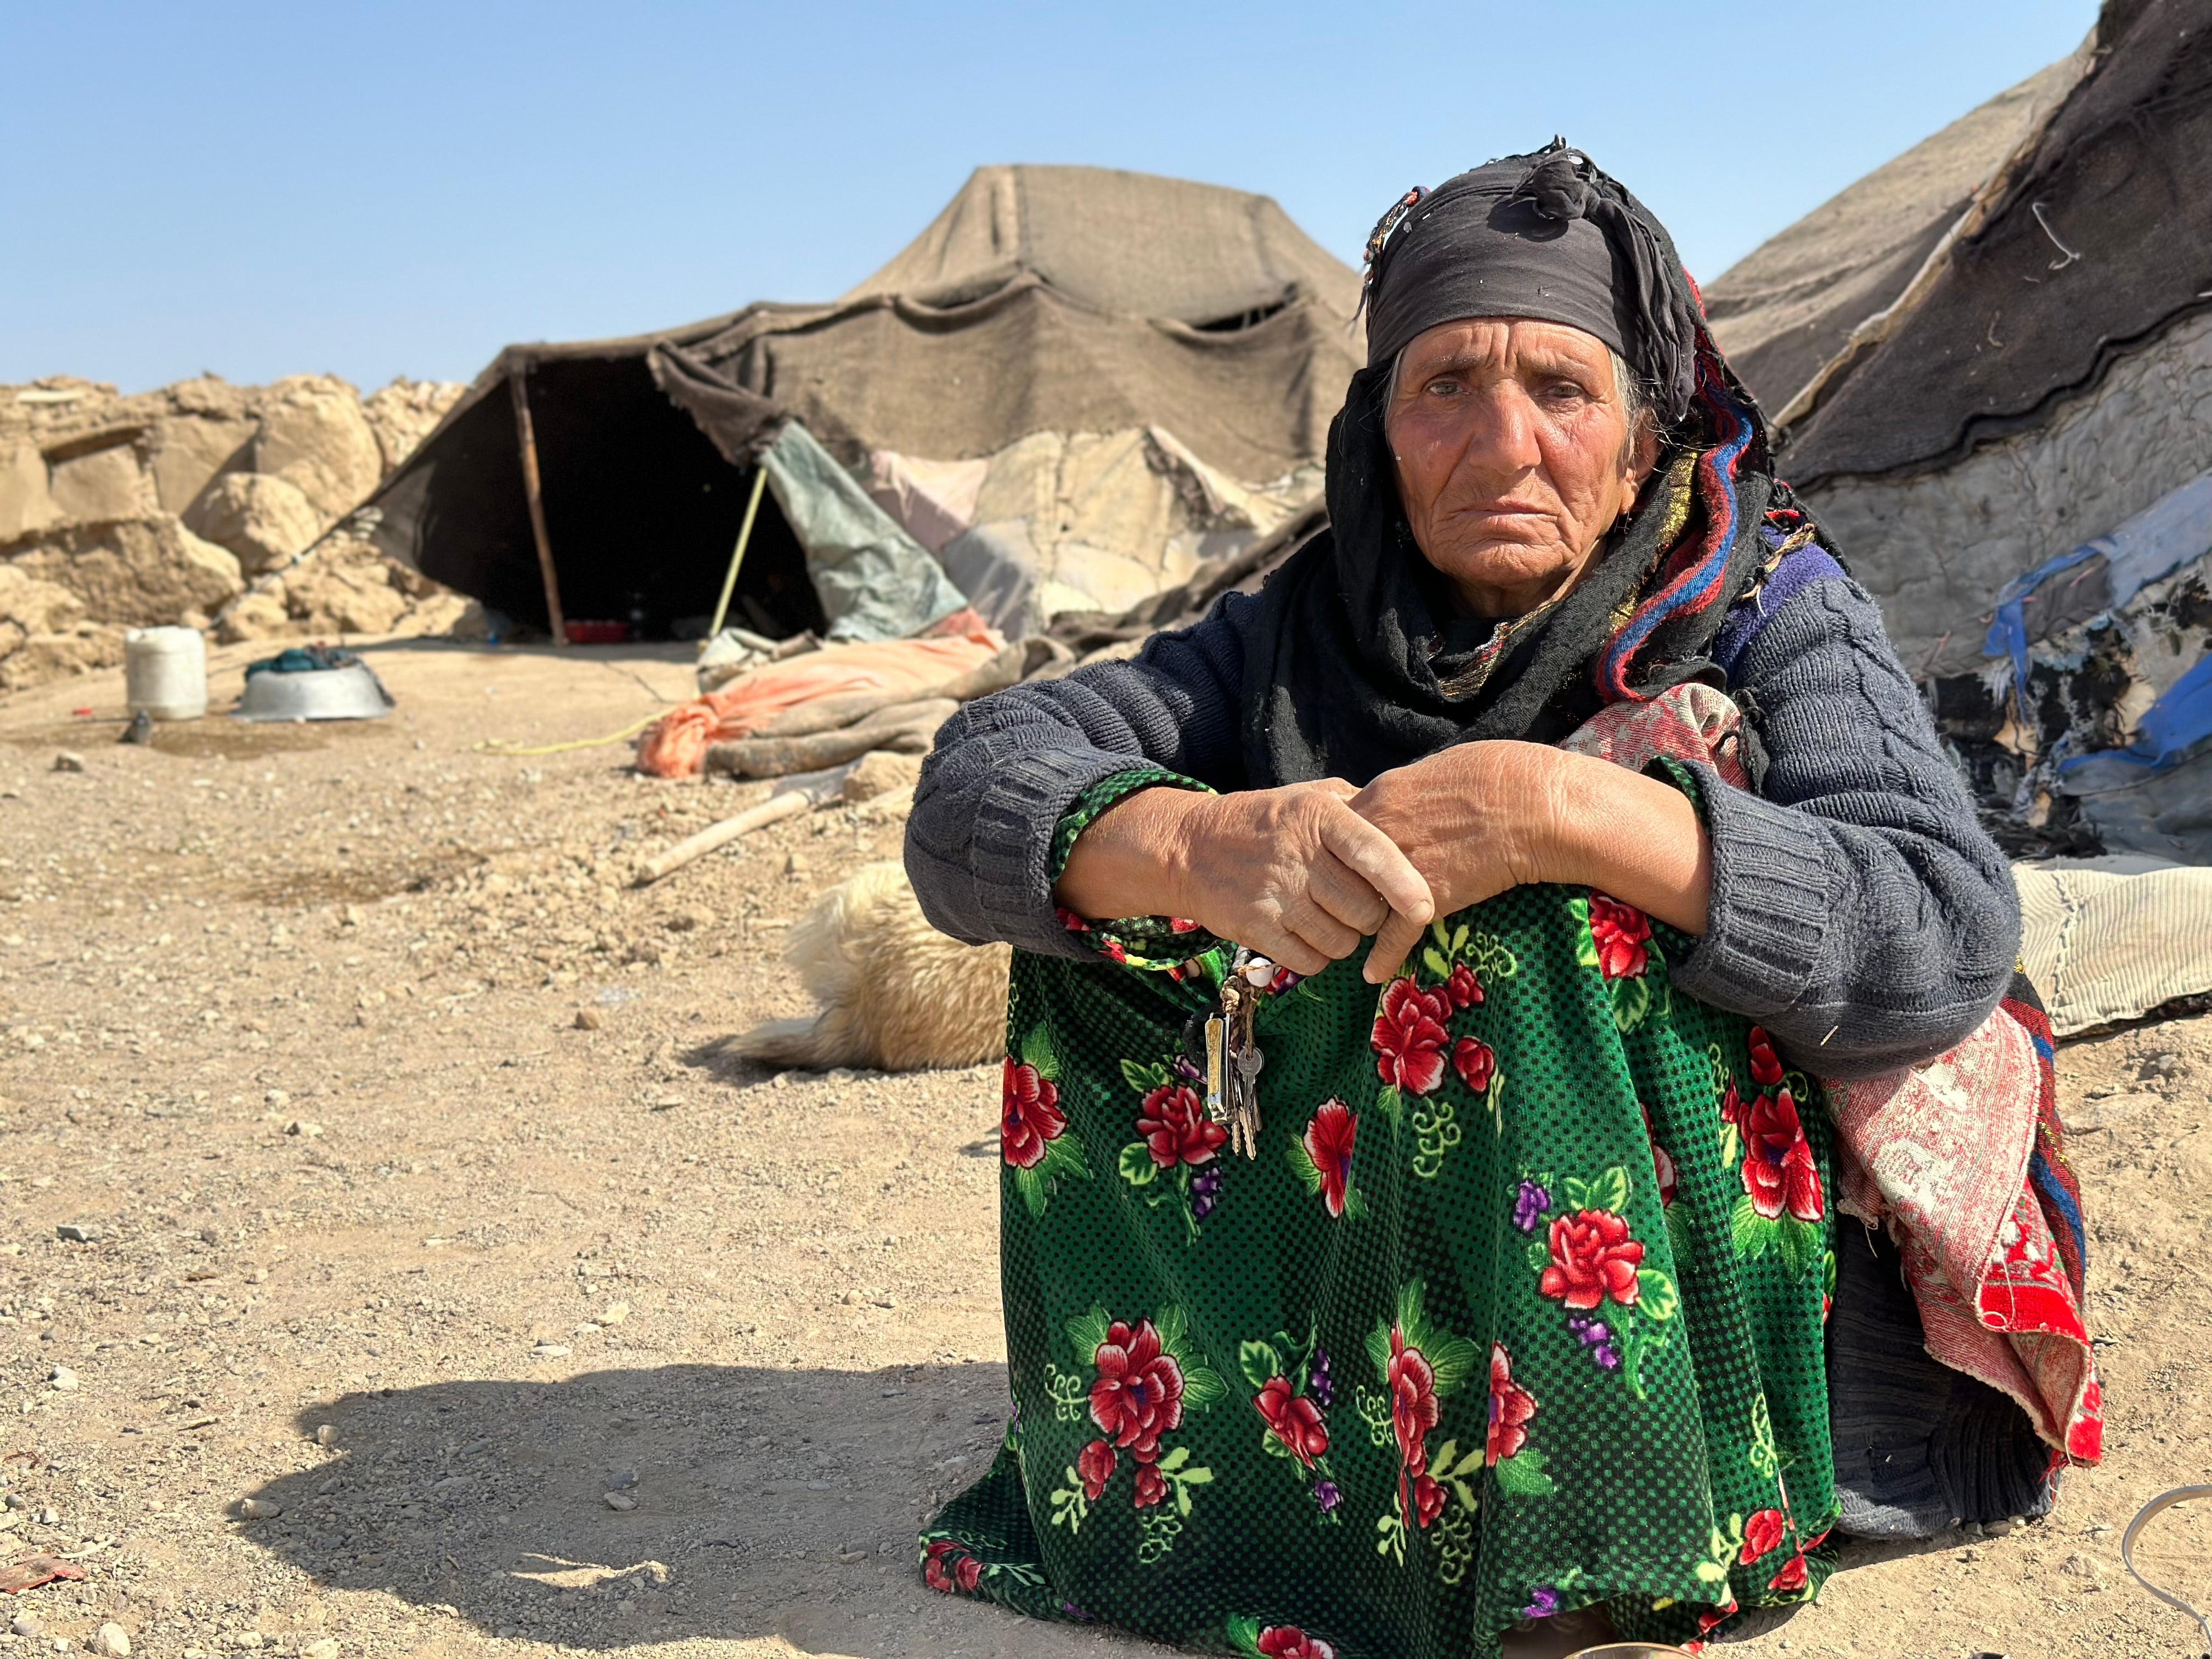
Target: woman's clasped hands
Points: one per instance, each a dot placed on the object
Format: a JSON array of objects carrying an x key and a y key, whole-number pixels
[{"x": 1305, "y": 872}]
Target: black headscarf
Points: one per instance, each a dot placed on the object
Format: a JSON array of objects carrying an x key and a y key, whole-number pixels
[{"x": 1350, "y": 666}]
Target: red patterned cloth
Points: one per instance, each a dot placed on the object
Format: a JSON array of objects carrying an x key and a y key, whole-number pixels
[{"x": 1940, "y": 1154}]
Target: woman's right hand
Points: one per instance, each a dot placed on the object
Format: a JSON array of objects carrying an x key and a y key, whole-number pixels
[{"x": 1292, "y": 872}]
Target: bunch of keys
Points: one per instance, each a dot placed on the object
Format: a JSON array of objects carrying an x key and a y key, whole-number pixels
[{"x": 1233, "y": 1058}]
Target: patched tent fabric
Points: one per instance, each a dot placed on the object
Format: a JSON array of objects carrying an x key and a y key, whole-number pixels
[
  {"x": 1145, "y": 369},
  {"x": 2010, "y": 449},
  {"x": 1125, "y": 244},
  {"x": 2093, "y": 237},
  {"x": 1063, "y": 299}
]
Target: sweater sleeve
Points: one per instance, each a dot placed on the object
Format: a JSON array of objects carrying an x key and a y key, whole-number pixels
[
  {"x": 1008, "y": 767},
  {"x": 1858, "y": 910}
]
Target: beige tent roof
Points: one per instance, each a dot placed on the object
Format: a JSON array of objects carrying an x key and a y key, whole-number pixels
[
  {"x": 1787, "y": 306},
  {"x": 1128, "y": 243},
  {"x": 1063, "y": 298}
]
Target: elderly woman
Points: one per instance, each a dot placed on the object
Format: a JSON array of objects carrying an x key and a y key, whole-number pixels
[{"x": 1381, "y": 1321}]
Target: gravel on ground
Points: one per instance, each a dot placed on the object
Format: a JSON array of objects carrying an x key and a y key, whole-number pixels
[{"x": 394, "y": 1260}]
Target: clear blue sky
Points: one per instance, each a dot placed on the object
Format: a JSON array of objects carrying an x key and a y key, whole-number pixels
[{"x": 380, "y": 189}]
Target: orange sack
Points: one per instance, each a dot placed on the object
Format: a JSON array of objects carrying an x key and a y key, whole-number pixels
[{"x": 675, "y": 746}]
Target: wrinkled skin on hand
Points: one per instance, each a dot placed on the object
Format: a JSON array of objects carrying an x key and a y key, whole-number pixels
[{"x": 1293, "y": 872}]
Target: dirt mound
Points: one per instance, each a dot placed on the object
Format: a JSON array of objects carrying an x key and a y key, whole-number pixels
[{"x": 162, "y": 507}]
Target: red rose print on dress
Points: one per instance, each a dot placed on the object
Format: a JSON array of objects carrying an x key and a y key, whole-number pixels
[
  {"x": 1293, "y": 1419},
  {"x": 1289, "y": 1642},
  {"x": 1792, "y": 1576},
  {"x": 1761, "y": 1534},
  {"x": 1139, "y": 1394},
  {"x": 1462, "y": 987},
  {"x": 1409, "y": 1036},
  {"x": 1148, "y": 1375},
  {"x": 1094, "y": 1467},
  {"x": 1733, "y": 1109},
  {"x": 1420, "y": 1363},
  {"x": 1428, "y": 1494},
  {"x": 1175, "y": 1128},
  {"x": 1414, "y": 1408},
  {"x": 1475, "y": 1062},
  {"x": 946, "y": 1567},
  {"x": 1031, "y": 1119},
  {"x": 1327, "y": 1142},
  {"x": 1512, "y": 1405},
  {"x": 1765, "y": 1068},
  {"x": 1592, "y": 1257},
  {"x": 1622, "y": 935},
  {"x": 1778, "y": 1171}
]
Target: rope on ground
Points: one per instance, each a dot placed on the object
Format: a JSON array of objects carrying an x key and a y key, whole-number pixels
[
  {"x": 501, "y": 746},
  {"x": 2163, "y": 1500}
]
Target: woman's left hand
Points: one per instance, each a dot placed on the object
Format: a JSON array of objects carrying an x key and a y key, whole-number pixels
[
  {"x": 1474, "y": 819},
  {"x": 1480, "y": 817}
]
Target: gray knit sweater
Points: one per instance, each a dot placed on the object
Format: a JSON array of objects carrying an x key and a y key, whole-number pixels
[{"x": 1858, "y": 911}]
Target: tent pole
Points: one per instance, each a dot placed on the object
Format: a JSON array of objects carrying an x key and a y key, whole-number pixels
[
  {"x": 737, "y": 557},
  {"x": 525, "y": 439}
]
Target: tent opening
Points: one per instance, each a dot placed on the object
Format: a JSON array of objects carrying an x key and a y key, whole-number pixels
[
  {"x": 641, "y": 510},
  {"x": 1238, "y": 322}
]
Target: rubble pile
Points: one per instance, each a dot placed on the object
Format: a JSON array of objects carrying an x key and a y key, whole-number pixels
[{"x": 191, "y": 504}]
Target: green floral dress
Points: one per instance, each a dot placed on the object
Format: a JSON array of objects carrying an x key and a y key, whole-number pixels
[{"x": 1517, "y": 1310}]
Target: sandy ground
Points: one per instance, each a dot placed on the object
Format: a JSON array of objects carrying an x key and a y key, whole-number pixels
[{"x": 382, "y": 1236}]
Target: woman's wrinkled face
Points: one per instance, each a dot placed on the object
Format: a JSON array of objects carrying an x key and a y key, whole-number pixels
[{"x": 1514, "y": 456}]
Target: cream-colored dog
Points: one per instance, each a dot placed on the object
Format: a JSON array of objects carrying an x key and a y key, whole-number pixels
[{"x": 897, "y": 995}]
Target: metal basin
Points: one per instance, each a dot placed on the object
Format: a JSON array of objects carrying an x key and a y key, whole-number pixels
[{"x": 349, "y": 693}]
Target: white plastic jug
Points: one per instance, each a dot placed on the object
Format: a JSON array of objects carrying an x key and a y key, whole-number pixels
[{"x": 164, "y": 673}]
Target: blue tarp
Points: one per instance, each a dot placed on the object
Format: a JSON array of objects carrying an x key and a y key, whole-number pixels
[
  {"x": 2170, "y": 533},
  {"x": 875, "y": 582},
  {"x": 2168, "y": 732},
  {"x": 2154, "y": 543}
]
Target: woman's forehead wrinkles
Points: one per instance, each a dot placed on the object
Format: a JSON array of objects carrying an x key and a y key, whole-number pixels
[{"x": 1541, "y": 360}]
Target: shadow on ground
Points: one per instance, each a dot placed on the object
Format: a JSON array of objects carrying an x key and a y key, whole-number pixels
[{"x": 765, "y": 1502}]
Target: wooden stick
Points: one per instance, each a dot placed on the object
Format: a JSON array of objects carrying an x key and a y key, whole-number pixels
[
  {"x": 737, "y": 557},
  {"x": 525, "y": 438},
  {"x": 694, "y": 847}
]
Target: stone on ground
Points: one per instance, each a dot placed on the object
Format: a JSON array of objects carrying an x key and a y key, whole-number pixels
[
  {"x": 137, "y": 572},
  {"x": 879, "y": 772},
  {"x": 36, "y": 606},
  {"x": 314, "y": 435},
  {"x": 43, "y": 657},
  {"x": 346, "y": 588},
  {"x": 108, "y": 483},
  {"x": 402, "y": 414},
  {"x": 264, "y": 521},
  {"x": 190, "y": 450},
  {"x": 259, "y": 614}
]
